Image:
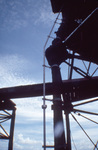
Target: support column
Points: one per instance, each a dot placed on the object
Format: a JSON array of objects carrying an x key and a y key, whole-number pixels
[
  {"x": 6, "y": 106},
  {"x": 68, "y": 132},
  {"x": 59, "y": 135},
  {"x": 12, "y": 130},
  {"x": 67, "y": 109}
]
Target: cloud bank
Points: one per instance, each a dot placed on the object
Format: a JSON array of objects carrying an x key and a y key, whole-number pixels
[{"x": 18, "y": 14}]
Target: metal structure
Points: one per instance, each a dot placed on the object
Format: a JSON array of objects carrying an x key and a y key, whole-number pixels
[
  {"x": 87, "y": 49},
  {"x": 96, "y": 146},
  {"x": 7, "y": 113},
  {"x": 64, "y": 92}
]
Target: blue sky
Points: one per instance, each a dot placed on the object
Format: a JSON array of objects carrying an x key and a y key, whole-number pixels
[{"x": 24, "y": 27}]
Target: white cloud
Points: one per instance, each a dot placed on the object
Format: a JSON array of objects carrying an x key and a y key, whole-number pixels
[
  {"x": 26, "y": 140},
  {"x": 46, "y": 15},
  {"x": 17, "y": 14},
  {"x": 12, "y": 70},
  {"x": 18, "y": 146},
  {"x": 12, "y": 62},
  {"x": 29, "y": 108},
  {"x": 22, "y": 142}
]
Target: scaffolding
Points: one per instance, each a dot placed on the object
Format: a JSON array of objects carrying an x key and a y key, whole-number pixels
[
  {"x": 7, "y": 113},
  {"x": 64, "y": 93},
  {"x": 65, "y": 104}
]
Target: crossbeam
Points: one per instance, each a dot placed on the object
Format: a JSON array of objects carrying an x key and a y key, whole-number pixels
[{"x": 78, "y": 89}]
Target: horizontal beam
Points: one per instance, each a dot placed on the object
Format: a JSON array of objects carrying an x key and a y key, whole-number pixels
[{"x": 78, "y": 89}]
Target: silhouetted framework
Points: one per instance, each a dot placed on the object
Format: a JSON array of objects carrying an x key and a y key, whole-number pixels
[
  {"x": 64, "y": 92},
  {"x": 96, "y": 146},
  {"x": 78, "y": 89},
  {"x": 7, "y": 112},
  {"x": 87, "y": 48},
  {"x": 73, "y": 90}
]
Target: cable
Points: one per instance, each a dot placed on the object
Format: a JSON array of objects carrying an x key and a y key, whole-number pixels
[
  {"x": 87, "y": 118},
  {"x": 73, "y": 142},
  {"x": 83, "y": 129}
]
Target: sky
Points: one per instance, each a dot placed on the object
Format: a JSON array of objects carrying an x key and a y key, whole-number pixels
[{"x": 24, "y": 27}]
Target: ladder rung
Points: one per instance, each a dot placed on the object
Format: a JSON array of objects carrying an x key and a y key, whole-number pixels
[
  {"x": 51, "y": 37},
  {"x": 46, "y": 66},
  {"x": 52, "y": 146},
  {"x": 47, "y": 99},
  {"x": 48, "y": 146}
]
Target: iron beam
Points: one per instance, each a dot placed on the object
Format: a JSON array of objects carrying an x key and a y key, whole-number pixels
[{"x": 79, "y": 89}]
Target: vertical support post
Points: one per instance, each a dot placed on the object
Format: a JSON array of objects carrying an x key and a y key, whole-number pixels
[
  {"x": 67, "y": 108},
  {"x": 59, "y": 135},
  {"x": 10, "y": 147},
  {"x": 68, "y": 132},
  {"x": 71, "y": 69}
]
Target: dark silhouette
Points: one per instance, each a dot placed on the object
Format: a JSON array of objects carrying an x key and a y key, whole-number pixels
[{"x": 73, "y": 12}]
